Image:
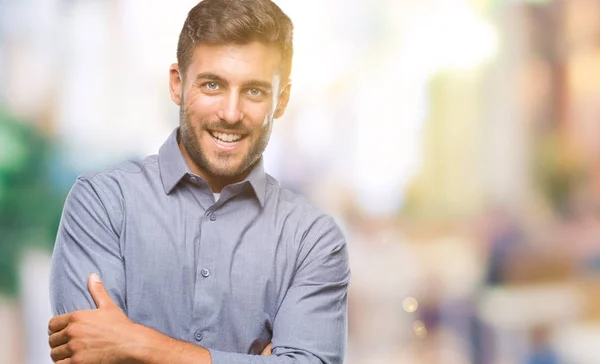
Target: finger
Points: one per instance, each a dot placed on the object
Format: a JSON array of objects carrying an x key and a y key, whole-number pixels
[
  {"x": 99, "y": 293},
  {"x": 58, "y": 338},
  {"x": 58, "y": 323},
  {"x": 267, "y": 350},
  {"x": 60, "y": 353},
  {"x": 64, "y": 361}
]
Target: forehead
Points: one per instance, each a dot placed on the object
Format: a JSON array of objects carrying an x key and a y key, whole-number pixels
[{"x": 254, "y": 60}]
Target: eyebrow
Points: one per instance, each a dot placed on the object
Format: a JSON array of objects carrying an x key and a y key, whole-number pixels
[{"x": 248, "y": 84}]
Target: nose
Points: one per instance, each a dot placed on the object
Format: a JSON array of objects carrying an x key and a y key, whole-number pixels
[{"x": 230, "y": 110}]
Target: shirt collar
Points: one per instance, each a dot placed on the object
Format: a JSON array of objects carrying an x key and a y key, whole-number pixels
[
  {"x": 258, "y": 180},
  {"x": 173, "y": 168},
  {"x": 171, "y": 163}
]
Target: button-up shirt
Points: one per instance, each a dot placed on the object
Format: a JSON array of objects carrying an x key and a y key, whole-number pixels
[{"x": 258, "y": 265}]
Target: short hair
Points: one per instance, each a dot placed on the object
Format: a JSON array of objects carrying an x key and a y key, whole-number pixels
[{"x": 236, "y": 22}]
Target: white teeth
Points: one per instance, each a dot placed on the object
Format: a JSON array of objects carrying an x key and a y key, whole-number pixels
[{"x": 229, "y": 138}]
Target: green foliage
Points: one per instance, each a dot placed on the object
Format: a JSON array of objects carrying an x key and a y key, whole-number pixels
[{"x": 30, "y": 205}]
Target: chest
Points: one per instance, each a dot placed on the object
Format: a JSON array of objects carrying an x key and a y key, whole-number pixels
[{"x": 215, "y": 268}]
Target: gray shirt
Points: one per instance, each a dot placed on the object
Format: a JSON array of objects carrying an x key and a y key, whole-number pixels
[{"x": 259, "y": 265}]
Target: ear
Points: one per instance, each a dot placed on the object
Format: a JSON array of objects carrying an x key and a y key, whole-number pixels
[
  {"x": 282, "y": 103},
  {"x": 175, "y": 83}
]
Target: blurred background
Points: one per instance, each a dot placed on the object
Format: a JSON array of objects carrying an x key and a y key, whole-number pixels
[{"x": 457, "y": 142}]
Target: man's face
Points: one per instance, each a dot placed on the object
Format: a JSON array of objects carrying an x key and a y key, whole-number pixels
[{"x": 228, "y": 100}]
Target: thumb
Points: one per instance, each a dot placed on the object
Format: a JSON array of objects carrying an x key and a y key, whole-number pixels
[
  {"x": 99, "y": 293},
  {"x": 267, "y": 350}
]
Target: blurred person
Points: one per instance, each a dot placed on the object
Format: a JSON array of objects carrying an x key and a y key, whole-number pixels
[
  {"x": 542, "y": 350},
  {"x": 204, "y": 258}
]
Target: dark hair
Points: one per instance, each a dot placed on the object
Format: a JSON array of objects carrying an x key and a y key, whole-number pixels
[{"x": 236, "y": 22}]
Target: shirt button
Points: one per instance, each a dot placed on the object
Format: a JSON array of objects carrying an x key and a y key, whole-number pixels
[
  {"x": 205, "y": 272},
  {"x": 212, "y": 216},
  {"x": 198, "y": 336}
]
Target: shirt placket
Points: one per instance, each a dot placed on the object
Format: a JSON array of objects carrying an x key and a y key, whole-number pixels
[{"x": 204, "y": 255}]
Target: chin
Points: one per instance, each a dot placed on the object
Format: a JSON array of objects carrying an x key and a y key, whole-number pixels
[{"x": 226, "y": 171}]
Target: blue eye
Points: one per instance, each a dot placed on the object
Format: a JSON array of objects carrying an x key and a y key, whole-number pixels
[
  {"x": 212, "y": 86},
  {"x": 255, "y": 92}
]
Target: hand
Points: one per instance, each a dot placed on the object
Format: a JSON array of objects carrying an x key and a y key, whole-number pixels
[
  {"x": 104, "y": 335},
  {"x": 267, "y": 350}
]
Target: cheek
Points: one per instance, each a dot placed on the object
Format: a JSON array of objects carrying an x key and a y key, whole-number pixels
[
  {"x": 267, "y": 120},
  {"x": 201, "y": 106},
  {"x": 259, "y": 114}
]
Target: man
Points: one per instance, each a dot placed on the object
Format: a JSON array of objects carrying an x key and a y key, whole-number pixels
[{"x": 203, "y": 257}]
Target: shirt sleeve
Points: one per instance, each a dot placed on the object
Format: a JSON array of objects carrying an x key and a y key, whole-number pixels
[
  {"x": 87, "y": 242},
  {"x": 311, "y": 325}
]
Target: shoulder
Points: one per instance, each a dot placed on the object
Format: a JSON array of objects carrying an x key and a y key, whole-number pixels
[
  {"x": 313, "y": 226},
  {"x": 115, "y": 180},
  {"x": 122, "y": 173},
  {"x": 286, "y": 202},
  {"x": 320, "y": 245},
  {"x": 109, "y": 186}
]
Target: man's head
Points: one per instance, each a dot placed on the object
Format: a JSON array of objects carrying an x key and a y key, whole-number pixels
[
  {"x": 231, "y": 81},
  {"x": 237, "y": 22}
]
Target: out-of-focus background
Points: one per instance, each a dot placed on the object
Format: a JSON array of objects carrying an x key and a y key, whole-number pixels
[{"x": 456, "y": 142}]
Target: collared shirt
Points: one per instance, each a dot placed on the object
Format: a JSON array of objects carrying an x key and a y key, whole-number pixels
[{"x": 258, "y": 265}]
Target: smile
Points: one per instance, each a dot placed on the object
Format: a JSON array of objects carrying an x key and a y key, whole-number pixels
[{"x": 227, "y": 139}]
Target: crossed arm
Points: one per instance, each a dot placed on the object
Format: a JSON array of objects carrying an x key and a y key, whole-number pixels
[
  {"x": 307, "y": 329},
  {"x": 107, "y": 335}
]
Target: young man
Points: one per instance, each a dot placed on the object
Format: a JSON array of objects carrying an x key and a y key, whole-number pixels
[{"x": 203, "y": 257}]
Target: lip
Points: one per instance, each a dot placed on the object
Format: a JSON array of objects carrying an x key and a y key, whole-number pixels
[
  {"x": 225, "y": 132},
  {"x": 221, "y": 145}
]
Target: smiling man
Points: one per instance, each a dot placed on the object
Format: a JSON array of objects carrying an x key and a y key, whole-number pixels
[{"x": 196, "y": 255}]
